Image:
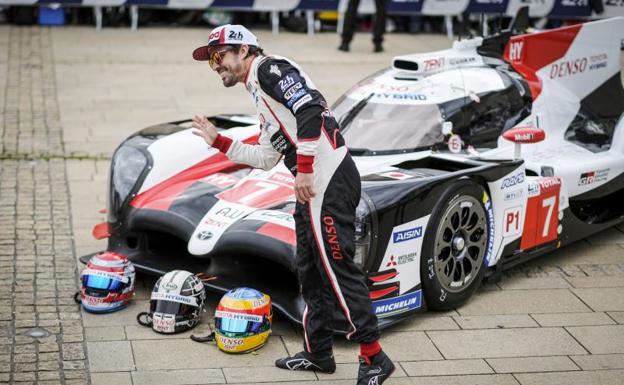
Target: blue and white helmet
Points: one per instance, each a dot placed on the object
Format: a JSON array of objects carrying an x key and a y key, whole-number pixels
[{"x": 107, "y": 283}]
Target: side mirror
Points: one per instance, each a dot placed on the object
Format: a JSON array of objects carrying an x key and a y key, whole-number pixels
[{"x": 523, "y": 135}]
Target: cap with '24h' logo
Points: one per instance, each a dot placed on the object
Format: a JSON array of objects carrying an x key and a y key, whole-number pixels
[{"x": 224, "y": 35}]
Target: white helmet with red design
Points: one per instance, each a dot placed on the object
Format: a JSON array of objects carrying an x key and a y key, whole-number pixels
[{"x": 107, "y": 283}]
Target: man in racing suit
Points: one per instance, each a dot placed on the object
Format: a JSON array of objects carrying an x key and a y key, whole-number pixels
[{"x": 296, "y": 123}]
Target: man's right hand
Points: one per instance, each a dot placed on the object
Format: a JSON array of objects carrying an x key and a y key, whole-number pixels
[{"x": 205, "y": 129}]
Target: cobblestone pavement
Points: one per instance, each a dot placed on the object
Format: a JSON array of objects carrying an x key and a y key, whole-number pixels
[
  {"x": 70, "y": 95},
  {"x": 37, "y": 260}
]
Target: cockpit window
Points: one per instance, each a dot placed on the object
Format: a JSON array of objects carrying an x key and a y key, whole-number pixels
[{"x": 383, "y": 127}]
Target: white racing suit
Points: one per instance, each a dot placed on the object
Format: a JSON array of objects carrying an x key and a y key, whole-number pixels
[{"x": 297, "y": 124}]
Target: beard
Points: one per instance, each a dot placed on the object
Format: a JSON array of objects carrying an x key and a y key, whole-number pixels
[
  {"x": 229, "y": 80},
  {"x": 228, "y": 75}
]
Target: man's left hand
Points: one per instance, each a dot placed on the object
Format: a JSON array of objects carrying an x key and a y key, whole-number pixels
[{"x": 304, "y": 187}]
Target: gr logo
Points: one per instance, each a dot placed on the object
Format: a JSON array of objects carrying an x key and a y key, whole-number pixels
[{"x": 515, "y": 50}]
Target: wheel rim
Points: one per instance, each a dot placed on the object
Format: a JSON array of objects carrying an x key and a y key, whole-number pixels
[{"x": 460, "y": 243}]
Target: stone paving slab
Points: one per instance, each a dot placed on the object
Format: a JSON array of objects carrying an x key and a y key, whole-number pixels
[
  {"x": 446, "y": 367},
  {"x": 496, "y": 343},
  {"x": 532, "y": 364},
  {"x": 504, "y": 321},
  {"x": 607, "y": 237},
  {"x": 618, "y": 316},
  {"x": 117, "y": 378},
  {"x": 522, "y": 302},
  {"x": 105, "y": 333},
  {"x": 427, "y": 322},
  {"x": 602, "y": 299},
  {"x": 606, "y": 377},
  {"x": 493, "y": 379},
  {"x": 148, "y": 355},
  {"x": 125, "y": 317},
  {"x": 600, "y": 339},
  {"x": 599, "y": 361},
  {"x": 268, "y": 374},
  {"x": 583, "y": 253},
  {"x": 573, "y": 319},
  {"x": 604, "y": 281},
  {"x": 110, "y": 356},
  {"x": 178, "y": 377},
  {"x": 524, "y": 283}
]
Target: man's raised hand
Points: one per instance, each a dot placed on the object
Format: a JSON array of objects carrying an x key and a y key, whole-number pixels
[{"x": 204, "y": 129}]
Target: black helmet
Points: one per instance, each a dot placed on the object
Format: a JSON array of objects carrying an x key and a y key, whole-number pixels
[{"x": 176, "y": 303}]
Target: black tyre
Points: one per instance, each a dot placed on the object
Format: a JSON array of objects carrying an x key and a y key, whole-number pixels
[{"x": 456, "y": 246}]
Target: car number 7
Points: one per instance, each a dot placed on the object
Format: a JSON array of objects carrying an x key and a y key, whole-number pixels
[
  {"x": 263, "y": 188},
  {"x": 550, "y": 203}
]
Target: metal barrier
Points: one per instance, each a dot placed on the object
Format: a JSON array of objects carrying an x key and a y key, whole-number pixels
[{"x": 537, "y": 8}]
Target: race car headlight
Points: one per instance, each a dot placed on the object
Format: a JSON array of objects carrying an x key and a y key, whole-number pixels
[
  {"x": 363, "y": 231},
  {"x": 126, "y": 168}
]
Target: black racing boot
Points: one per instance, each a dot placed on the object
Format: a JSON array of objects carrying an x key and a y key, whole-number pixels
[
  {"x": 344, "y": 46},
  {"x": 378, "y": 48},
  {"x": 376, "y": 370},
  {"x": 306, "y": 361}
]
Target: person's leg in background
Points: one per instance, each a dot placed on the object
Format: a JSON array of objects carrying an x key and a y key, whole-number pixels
[
  {"x": 380, "y": 25},
  {"x": 348, "y": 28}
]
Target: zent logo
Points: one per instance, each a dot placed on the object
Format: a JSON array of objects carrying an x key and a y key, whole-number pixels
[{"x": 432, "y": 64}]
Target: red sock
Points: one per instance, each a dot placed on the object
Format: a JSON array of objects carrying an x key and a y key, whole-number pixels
[{"x": 369, "y": 349}]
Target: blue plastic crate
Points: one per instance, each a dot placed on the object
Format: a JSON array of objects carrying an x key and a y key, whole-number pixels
[{"x": 51, "y": 16}]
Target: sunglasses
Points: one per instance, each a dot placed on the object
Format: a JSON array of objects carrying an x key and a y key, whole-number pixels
[{"x": 216, "y": 57}]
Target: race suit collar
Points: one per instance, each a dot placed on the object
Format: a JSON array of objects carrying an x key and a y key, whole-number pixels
[{"x": 249, "y": 69}]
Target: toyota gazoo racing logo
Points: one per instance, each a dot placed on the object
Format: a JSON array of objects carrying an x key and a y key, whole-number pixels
[
  {"x": 591, "y": 177},
  {"x": 406, "y": 235},
  {"x": 513, "y": 180}
]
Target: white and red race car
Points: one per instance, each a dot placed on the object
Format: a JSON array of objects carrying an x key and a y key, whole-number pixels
[{"x": 447, "y": 196}]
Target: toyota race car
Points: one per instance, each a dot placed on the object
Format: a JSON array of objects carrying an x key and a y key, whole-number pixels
[{"x": 473, "y": 159}]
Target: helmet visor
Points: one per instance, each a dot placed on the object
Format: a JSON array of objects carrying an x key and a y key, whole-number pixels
[
  {"x": 172, "y": 304},
  {"x": 238, "y": 324},
  {"x": 101, "y": 280}
]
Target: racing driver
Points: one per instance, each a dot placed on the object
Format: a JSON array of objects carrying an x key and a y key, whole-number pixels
[{"x": 295, "y": 123}]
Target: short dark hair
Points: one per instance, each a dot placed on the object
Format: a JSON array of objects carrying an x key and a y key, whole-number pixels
[{"x": 253, "y": 50}]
